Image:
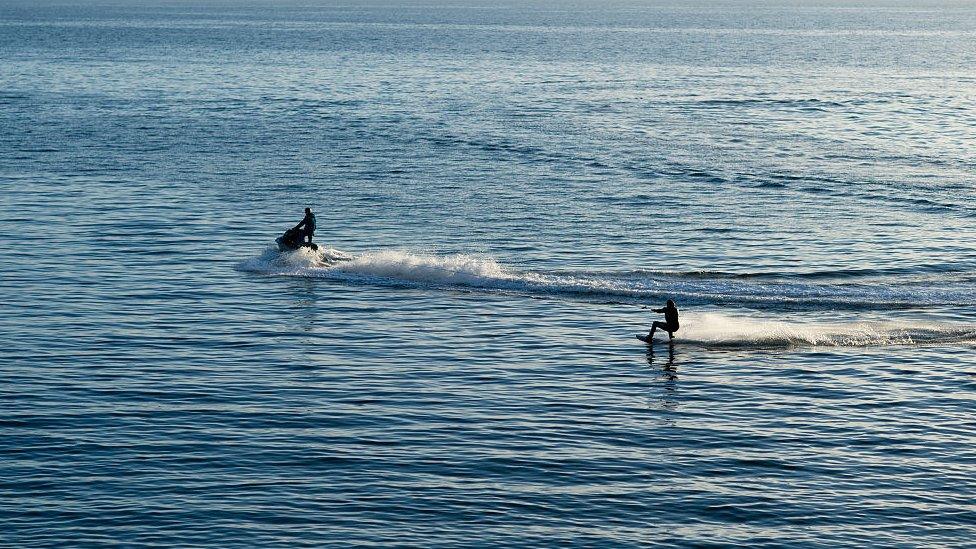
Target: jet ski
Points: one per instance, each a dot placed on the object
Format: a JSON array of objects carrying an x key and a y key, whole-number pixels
[{"x": 292, "y": 240}]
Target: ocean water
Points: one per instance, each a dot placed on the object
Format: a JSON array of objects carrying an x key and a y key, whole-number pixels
[{"x": 517, "y": 184}]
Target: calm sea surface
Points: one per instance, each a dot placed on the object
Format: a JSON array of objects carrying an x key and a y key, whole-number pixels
[{"x": 516, "y": 183}]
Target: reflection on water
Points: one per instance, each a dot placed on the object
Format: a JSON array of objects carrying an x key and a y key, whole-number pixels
[
  {"x": 668, "y": 379},
  {"x": 303, "y": 295}
]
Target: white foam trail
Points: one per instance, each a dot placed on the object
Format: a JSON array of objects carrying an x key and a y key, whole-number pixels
[
  {"x": 427, "y": 269},
  {"x": 458, "y": 269},
  {"x": 718, "y": 330},
  {"x": 462, "y": 270}
]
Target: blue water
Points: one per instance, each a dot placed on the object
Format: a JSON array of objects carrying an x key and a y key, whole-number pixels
[{"x": 516, "y": 184}]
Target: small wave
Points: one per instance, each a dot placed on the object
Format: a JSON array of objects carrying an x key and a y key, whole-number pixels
[
  {"x": 702, "y": 288},
  {"x": 826, "y": 274},
  {"x": 806, "y": 104},
  {"x": 530, "y": 153},
  {"x": 771, "y": 185}
]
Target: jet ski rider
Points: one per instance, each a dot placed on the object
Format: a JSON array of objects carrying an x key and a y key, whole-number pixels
[{"x": 306, "y": 227}]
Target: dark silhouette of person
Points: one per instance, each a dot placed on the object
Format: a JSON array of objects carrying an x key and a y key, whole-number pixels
[
  {"x": 306, "y": 227},
  {"x": 670, "y": 324}
]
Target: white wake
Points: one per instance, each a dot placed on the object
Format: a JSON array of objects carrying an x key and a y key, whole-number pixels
[
  {"x": 711, "y": 329},
  {"x": 723, "y": 330}
]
